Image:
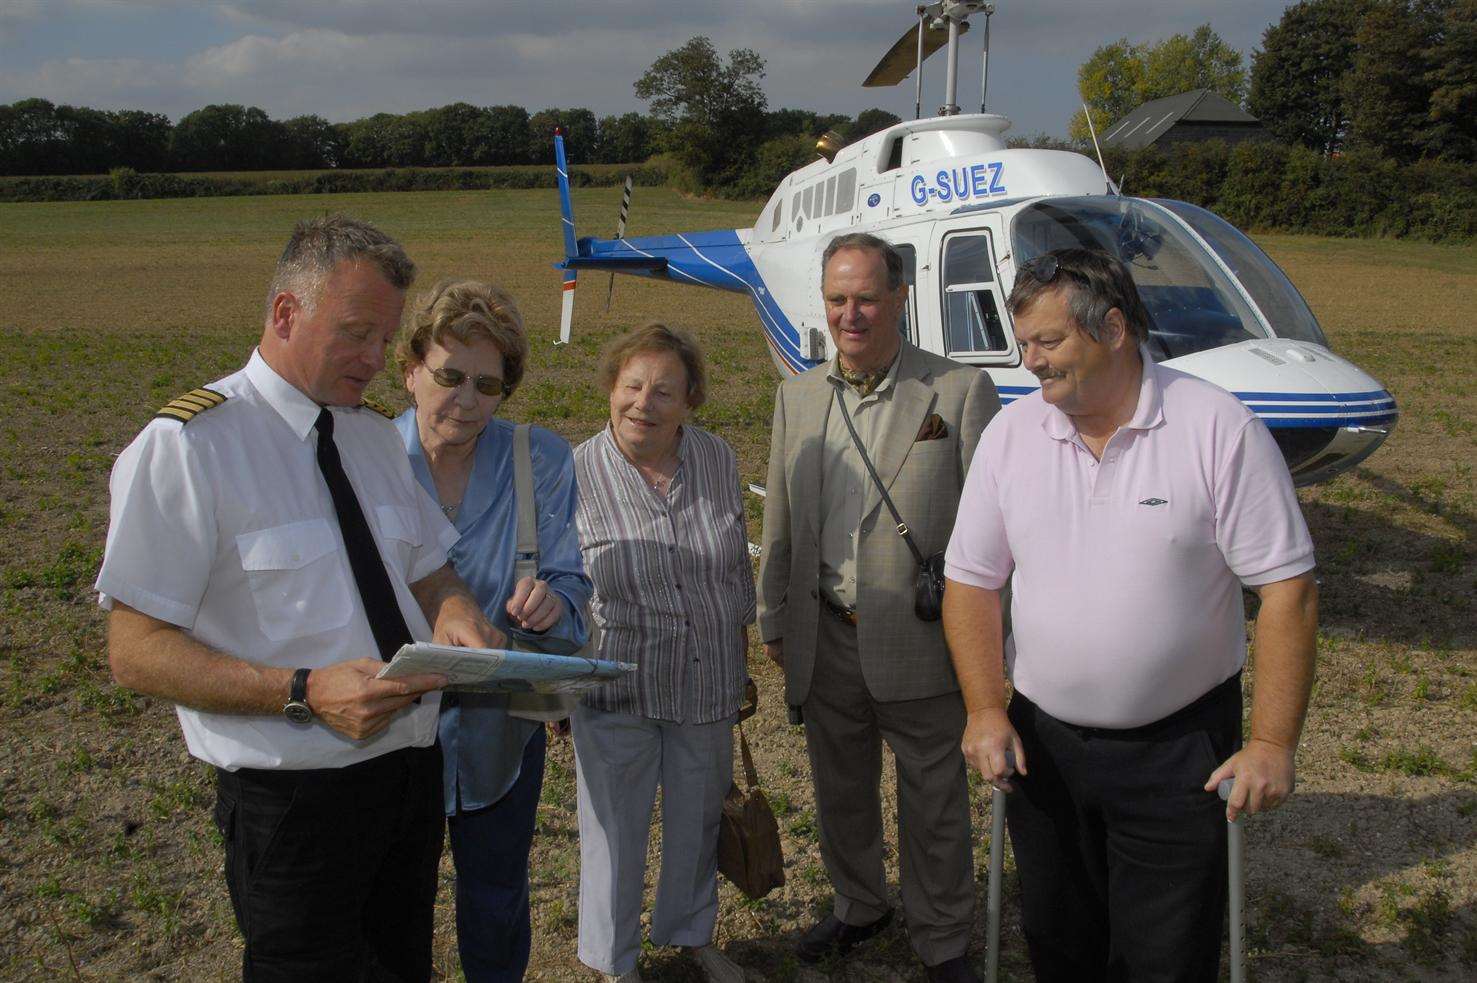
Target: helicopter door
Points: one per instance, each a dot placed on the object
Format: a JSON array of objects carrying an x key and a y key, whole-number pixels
[{"x": 973, "y": 301}]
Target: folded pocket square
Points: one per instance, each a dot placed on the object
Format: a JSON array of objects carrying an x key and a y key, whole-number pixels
[{"x": 934, "y": 428}]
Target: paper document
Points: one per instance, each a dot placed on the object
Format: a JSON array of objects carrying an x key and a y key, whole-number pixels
[{"x": 503, "y": 670}]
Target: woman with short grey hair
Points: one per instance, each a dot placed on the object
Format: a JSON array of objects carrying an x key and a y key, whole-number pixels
[{"x": 661, "y": 529}]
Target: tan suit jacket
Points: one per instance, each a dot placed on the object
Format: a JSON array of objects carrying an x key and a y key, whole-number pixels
[{"x": 902, "y": 658}]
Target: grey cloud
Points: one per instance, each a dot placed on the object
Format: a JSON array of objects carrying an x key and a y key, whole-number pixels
[{"x": 346, "y": 58}]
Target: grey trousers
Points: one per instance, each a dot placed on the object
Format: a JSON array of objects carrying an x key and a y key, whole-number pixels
[
  {"x": 620, "y": 759},
  {"x": 844, "y": 731}
]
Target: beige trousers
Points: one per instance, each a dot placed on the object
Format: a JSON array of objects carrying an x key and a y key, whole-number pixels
[{"x": 844, "y": 732}]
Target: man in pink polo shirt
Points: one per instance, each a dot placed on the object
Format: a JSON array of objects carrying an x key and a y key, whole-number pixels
[{"x": 1128, "y": 503}]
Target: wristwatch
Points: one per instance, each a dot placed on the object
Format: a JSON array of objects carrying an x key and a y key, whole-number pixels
[{"x": 297, "y": 710}]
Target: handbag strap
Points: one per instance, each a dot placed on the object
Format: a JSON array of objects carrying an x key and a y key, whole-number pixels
[
  {"x": 902, "y": 527},
  {"x": 525, "y": 554},
  {"x": 751, "y": 776}
]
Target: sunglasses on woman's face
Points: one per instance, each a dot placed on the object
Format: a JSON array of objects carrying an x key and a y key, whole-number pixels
[{"x": 487, "y": 385}]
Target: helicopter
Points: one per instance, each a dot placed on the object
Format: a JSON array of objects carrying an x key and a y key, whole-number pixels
[{"x": 966, "y": 212}]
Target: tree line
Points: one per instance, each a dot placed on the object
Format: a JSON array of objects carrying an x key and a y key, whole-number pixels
[
  {"x": 39, "y": 138},
  {"x": 1392, "y": 78},
  {"x": 1397, "y": 78}
]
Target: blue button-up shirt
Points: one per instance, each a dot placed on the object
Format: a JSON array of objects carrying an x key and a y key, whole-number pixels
[{"x": 482, "y": 746}]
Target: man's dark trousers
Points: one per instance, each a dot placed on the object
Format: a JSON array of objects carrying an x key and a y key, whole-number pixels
[
  {"x": 333, "y": 871},
  {"x": 1120, "y": 850},
  {"x": 491, "y": 846}
]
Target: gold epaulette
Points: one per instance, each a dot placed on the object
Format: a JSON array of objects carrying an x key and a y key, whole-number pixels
[
  {"x": 378, "y": 407},
  {"x": 185, "y": 408}
]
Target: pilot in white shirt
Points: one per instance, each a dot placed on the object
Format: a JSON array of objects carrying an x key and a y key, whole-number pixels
[
  {"x": 223, "y": 526},
  {"x": 268, "y": 549}
]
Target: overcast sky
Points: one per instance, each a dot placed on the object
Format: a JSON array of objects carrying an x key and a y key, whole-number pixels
[{"x": 343, "y": 59}]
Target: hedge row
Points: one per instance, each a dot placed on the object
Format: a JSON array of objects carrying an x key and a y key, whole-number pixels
[
  {"x": 1258, "y": 186},
  {"x": 124, "y": 183},
  {"x": 1270, "y": 187}
]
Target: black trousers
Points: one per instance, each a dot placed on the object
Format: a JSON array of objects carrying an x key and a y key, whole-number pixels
[
  {"x": 1121, "y": 853},
  {"x": 333, "y": 871}
]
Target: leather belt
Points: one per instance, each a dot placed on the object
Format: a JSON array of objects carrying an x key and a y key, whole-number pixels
[{"x": 847, "y": 615}]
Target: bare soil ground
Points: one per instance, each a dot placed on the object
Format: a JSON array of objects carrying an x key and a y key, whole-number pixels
[{"x": 109, "y": 864}]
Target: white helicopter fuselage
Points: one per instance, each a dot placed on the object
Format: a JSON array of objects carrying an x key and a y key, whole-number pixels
[{"x": 966, "y": 212}]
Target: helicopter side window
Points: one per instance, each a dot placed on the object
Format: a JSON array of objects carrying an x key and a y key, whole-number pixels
[
  {"x": 894, "y": 154},
  {"x": 846, "y": 190},
  {"x": 910, "y": 277},
  {"x": 972, "y": 322}
]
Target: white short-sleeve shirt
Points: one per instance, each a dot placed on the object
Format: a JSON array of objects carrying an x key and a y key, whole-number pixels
[
  {"x": 223, "y": 525},
  {"x": 1127, "y": 571}
]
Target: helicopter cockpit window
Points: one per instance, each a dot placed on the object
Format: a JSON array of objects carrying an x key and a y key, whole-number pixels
[
  {"x": 1279, "y": 301},
  {"x": 972, "y": 322},
  {"x": 1193, "y": 306}
]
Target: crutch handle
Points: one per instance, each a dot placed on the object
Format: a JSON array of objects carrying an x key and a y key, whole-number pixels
[{"x": 1224, "y": 789}]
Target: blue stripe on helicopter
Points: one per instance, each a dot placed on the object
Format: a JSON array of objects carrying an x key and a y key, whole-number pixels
[
  {"x": 1346, "y": 409},
  {"x": 1314, "y": 397},
  {"x": 712, "y": 259},
  {"x": 1288, "y": 422},
  {"x": 1324, "y": 410}
]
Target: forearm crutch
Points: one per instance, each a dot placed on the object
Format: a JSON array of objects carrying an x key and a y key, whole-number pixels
[
  {"x": 997, "y": 866},
  {"x": 1234, "y": 846}
]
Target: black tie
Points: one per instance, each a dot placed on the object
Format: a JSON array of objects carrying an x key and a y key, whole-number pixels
[{"x": 385, "y": 619}]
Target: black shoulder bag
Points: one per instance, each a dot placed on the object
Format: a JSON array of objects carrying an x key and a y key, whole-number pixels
[{"x": 928, "y": 590}]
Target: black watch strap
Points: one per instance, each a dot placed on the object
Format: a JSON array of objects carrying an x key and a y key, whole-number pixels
[
  {"x": 299, "y": 691},
  {"x": 297, "y": 710}
]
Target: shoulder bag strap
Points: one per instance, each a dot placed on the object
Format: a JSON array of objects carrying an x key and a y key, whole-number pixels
[
  {"x": 525, "y": 556},
  {"x": 751, "y": 775},
  {"x": 902, "y": 527}
]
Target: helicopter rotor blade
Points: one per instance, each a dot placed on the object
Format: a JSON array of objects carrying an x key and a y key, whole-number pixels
[{"x": 902, "y": 58}]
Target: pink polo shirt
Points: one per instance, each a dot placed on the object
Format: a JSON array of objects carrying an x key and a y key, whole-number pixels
[{"x": 1126, "y": 599}]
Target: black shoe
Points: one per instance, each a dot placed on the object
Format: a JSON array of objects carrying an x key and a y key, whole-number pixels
[
  {"x": 956, "y": 970},
  {"x": 832, "y": 937}
]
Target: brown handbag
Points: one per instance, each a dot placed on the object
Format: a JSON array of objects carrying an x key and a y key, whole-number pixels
[{"x": 749, "y": 852}]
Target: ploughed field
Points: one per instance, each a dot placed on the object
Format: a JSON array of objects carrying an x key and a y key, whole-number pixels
[{"x": 109, "y": 862}]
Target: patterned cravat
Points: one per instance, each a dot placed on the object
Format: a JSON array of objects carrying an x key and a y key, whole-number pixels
[{"x": 865, "y": 383}]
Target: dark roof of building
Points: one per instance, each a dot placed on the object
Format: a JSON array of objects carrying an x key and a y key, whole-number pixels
[{"x": 1154, "y": 118}]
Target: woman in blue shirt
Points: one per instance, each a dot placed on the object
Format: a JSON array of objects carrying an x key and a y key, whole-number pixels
[{"x": 464, "y": 355}]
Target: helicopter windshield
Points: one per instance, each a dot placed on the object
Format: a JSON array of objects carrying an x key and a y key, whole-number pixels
[
  {"x": 1193, "y": 306},
  {"x": 1279, "y": 301}
]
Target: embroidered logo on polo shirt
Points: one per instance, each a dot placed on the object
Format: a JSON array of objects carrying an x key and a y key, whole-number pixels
[{"x": 1154, "y": 501}]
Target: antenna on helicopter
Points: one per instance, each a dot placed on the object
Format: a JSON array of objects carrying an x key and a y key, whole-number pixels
[
  {"x": 985, "y": 57},
  {"x": 1107, "y": 181},
  {"x": 918, "y": 78}
]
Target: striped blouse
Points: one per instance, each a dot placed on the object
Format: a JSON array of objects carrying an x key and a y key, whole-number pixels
[{"x": 673, "y": 580}]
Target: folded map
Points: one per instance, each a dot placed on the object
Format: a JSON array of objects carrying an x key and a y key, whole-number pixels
[{"x": 503, "y": 670}]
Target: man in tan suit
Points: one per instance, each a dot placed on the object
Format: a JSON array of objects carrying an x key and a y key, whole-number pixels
[{"x": 836, "y": 605}]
